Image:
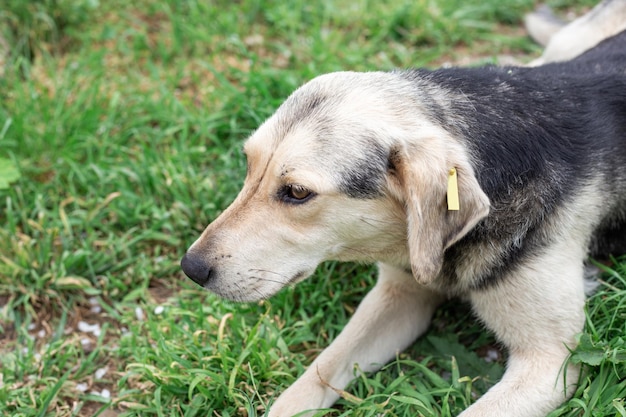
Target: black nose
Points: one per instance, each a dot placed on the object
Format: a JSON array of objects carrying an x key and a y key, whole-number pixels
[{"x": 196, "y": 269}]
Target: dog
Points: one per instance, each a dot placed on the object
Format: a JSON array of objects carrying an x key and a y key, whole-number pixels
[{"x": 493, "y": 184}]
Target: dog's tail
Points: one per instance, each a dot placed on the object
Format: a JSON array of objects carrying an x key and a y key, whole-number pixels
[
  {"x": 542, "y": 24},
  {"x": 567, "y": 41}
]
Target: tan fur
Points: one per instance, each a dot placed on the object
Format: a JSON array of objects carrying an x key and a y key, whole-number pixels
[{"x": 422, "y": 172}]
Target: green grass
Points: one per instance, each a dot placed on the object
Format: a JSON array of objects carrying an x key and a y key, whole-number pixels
[{"x": 121, "y": 126}]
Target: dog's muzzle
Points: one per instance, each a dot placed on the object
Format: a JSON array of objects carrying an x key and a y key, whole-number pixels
[{"x": 196, "y": 269}]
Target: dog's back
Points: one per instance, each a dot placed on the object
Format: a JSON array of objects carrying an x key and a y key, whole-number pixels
[{"x": 608, "y": 57}]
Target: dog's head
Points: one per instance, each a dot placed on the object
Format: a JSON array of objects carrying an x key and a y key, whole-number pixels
[{"x": 348, "y": 168}]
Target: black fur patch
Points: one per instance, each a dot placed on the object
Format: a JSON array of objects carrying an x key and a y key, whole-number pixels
[
  {"x": 298, "y": 108},
  {"x": 364, "y": 175},
  {"x": 536, "y": 136}
]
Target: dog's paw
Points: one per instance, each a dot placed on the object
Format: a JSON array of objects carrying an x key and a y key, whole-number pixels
[
  {"x": 291, "y": 407},
  {"x": 303, "y": 400}
]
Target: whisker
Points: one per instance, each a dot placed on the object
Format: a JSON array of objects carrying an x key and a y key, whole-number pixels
[
  {"x": 268, "y": 272},
  {"x": 266, "y": 279}
]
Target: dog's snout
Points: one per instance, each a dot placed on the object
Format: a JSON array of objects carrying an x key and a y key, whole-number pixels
[{"x": 196, "y": 269}]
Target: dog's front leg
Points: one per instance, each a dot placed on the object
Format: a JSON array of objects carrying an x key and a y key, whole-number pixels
[
  {"x": 392, "y": 315},
  {"x": 536, "y": 311}
]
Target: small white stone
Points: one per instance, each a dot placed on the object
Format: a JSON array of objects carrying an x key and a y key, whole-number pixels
[
  {"x": 101, "y": 372},
  {"x": 159, "y": 310},
  {"x": 82, "y": 387},
  {"x": 139, "y": 313},
  {"x": 492, "y": 355},
  {"x": 84, "y": 327},
  {"x": 89, "y": 328}
]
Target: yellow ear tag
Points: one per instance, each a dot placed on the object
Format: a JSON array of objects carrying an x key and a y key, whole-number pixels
[{"x": 453, "y": 190}]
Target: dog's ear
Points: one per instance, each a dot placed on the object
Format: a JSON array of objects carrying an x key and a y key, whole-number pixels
[{"x": 422, "y": 177}]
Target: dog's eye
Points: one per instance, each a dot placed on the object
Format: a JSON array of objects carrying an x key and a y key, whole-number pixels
[{"x": 296, "y": 193}]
